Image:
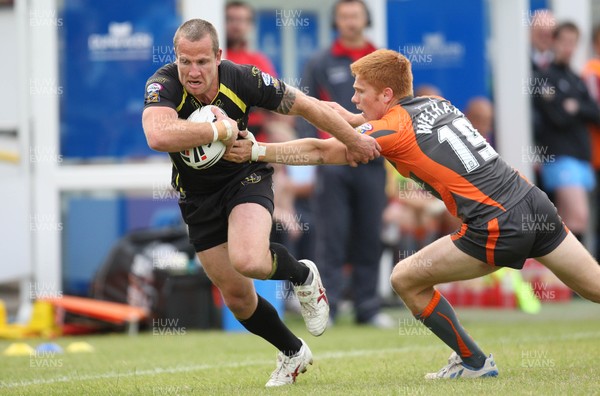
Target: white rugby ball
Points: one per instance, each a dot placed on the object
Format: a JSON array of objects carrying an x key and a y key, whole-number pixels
[{"x": 205, "y": 156}]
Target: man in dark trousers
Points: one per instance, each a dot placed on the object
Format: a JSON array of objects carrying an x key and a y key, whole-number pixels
[{"x": 348, "y": 202}]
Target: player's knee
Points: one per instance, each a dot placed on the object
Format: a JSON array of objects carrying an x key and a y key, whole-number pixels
[
  {"x": 244, "y": 261},
  {"x": 400, "y": 279},
  {"x": 237, "y": 305},
  {"x": 238, "y": 300}
]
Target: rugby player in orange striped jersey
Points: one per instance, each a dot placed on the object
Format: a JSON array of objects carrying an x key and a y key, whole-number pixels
[{"x": 505, "y": 218}]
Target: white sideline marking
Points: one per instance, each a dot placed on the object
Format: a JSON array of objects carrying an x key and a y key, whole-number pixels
[
  {"x": 198, "y": 367},
  {"x": 321, "y": 356}
]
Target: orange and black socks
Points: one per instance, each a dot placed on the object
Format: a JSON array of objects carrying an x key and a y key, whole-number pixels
[{"x": 441, "y": 319}]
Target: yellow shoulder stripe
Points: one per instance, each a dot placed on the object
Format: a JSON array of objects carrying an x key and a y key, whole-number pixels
[
  {"x": 183, "y": 98},
  {"x": 233, "y": 97}
]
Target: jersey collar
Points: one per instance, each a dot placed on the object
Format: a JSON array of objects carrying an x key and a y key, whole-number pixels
[{"x": 405, "y": 99}]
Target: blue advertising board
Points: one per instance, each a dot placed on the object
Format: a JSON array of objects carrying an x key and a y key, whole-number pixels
[
  {"x": 270, "y": 32},
  {"x": 108, "y": 50},
  {"x": 307, "y": 39},
  {"x": 538, "y": 4},
  {"x": 446, "y": 43}
]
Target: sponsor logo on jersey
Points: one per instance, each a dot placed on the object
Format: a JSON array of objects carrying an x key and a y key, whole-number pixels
[
  {"x": 252, "y": 179},
  {"x": 255, "y": 71},
  {"x": 152, "y": 93},
  {"x": 364, "y": 128},
  {"x": 161, "y": 80},
  {"x": 267, "y": 78}
]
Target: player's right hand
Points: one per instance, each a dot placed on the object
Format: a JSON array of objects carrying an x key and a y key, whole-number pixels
[
  {"x": 362, "y": 150},
  {"x": 240, "y": 152},
  {"x": 234, "y": 128}
]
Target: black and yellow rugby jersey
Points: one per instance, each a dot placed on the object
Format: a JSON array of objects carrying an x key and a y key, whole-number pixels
[{"x": 240, "y": 88}]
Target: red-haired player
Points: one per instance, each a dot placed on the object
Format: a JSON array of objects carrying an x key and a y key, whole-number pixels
[{"x": 505, "y": 218}]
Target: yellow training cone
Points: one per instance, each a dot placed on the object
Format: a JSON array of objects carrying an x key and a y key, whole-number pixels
[
  {"x": 19, "y": 349},
  {"x": 80, "y": 346}
]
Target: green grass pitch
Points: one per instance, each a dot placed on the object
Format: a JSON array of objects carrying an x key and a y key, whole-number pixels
[{"x": 553, "y": 353}]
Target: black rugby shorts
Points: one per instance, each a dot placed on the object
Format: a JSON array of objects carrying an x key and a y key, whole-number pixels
[{"x": 207, "y": 215}]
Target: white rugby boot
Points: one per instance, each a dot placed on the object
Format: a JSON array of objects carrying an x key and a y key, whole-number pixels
[
  {"x": 314, "y": 305},
  {"x": 289, "y": 367},
  {"x": 457, "y": 369}
]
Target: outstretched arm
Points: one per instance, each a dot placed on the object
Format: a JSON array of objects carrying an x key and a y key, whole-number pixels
[
  {"x": 361, "y": 148},
  {"x": 351, "y": 118},
  {"x": 307, "y": 151}
]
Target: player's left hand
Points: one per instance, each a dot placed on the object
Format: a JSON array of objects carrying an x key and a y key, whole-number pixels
[
  {"x": 241, "y": 151},
  {"x": 362, "y": 150},
  {"x": 232, "y": 124}
]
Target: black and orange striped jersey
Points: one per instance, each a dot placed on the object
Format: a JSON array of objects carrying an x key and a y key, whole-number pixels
[
  {"x": 433, "y": 143},
  {"x": 240, "y": 88}
]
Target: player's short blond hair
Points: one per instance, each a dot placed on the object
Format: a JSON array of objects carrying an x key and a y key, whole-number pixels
[
  {"x": 197, "y": 29},
  {"x": 385, "y": 69}
]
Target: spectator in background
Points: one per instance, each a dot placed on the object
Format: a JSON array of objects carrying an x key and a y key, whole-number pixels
[
  {"x": 427, "y": 90},
  {"x": 239, "y": 22},
  {"x": 239, "y": 17},
  {"x": 348, "y": 202},
  {"x": 591, "y": 75},
  {"x": 565, "y": 108},
  {"x": 480, "y": 112},
  {"x": 542, "y": 25}
]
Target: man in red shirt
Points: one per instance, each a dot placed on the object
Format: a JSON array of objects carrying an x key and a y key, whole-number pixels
[
  {"x": 239, "y": 21},
  {"x": 239, "y": 18}
]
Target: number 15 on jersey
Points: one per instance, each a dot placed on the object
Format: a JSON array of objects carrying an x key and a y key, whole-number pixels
[{"x": 465, "y": 141}]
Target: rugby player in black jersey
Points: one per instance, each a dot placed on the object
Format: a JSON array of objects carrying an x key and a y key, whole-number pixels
[{"x": 228, "y": 207}]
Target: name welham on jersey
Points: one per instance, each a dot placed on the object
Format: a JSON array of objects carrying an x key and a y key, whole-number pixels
[{"x": 433, "y": 143}]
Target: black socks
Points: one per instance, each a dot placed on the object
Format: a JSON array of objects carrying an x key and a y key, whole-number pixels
[
  {"x": 265, "y": 323},
  {"x": 286, "y": 267}
]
